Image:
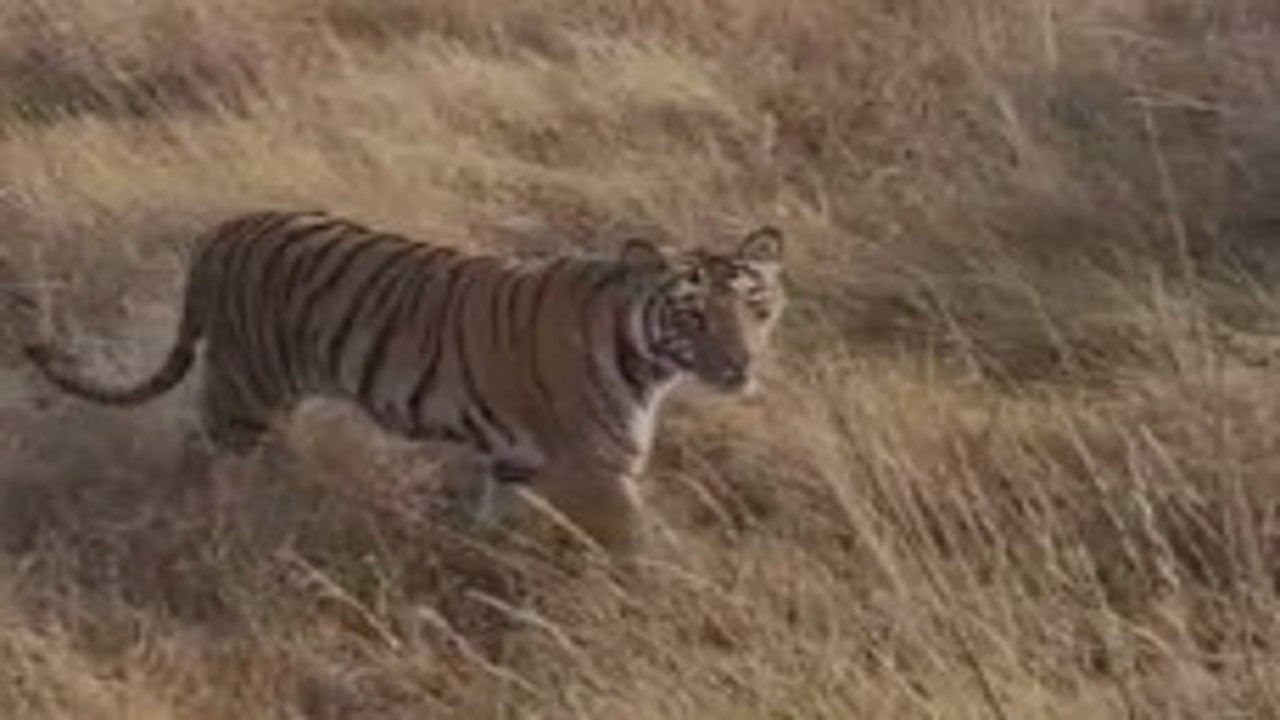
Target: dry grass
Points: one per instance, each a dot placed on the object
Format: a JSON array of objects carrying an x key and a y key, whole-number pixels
[{"x": 1016, "y": 459}]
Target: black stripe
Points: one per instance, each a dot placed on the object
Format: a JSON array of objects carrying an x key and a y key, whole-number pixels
[
  {"x": 254, "y": 311},
  {"x": 409, "y": 269},
  {"x": 241, "y": 298},
  {"x": 330, "y": 235},
  {"x": 512, "y": 309},
  {"x": 239, "y": 240},
  {"x": 474, "y": 433},
  {"x": 640, "y": 373},
  {"x": 225, "y": 233},
  {"x": 376, "y": 355},
  {"x": 339, "y": 339},
  {"x": 272, "y": 314},
  {"x": 417, "y": 316},
  {"x": 308, "y": 261},
  {"x": 651, "y": 323},
  {"x": 654, "y": 316},
  {"x": 301, "y": 272},
  {"x": 475, "y": 397},
  {"x": 455, "y": 292},
  {"x": 354, "y": 246},
  {"x": 509, "y": 473},
  {"x": 328, "y": 283},
  {"x": 345, "y": 236},
  {"x": 611, "y": 278},
  {"x": 581, "y": 272},
  {"x": 376, "y": 352},
  {"x": 502, "y": 288},
  {"x": 628, "y": 365},
  {"x": 598, "y": 394},
  {"x": 235, "y": 228},
  {"x": 298, "y": 279},
  {"x": 545, "y": 276},
  {"x": 244, "y": 240},
  {"x": 532, "y": 327},
  {"x": 432, "y": 365}
]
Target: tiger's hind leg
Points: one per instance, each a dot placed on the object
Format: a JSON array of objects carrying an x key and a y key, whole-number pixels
[{"x": 235, "y": 438}]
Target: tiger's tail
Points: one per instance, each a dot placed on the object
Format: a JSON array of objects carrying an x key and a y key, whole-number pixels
[
  {"x": 175, "y": 367},
  {"x": 56, "y": 366}
]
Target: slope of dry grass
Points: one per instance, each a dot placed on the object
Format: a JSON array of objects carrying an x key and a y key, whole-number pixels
[{"x": 1016, "y": 454}]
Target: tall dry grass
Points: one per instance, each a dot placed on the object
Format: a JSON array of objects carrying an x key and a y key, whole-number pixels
[{"x": 1015, "y": 458}]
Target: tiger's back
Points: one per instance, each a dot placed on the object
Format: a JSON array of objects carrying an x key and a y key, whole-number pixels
[{"x": 429, "y": 341}]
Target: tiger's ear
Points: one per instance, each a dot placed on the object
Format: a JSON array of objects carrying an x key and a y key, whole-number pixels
[
  {"x": 642, "y": 253},
  {"x": 762, "y": 245}
]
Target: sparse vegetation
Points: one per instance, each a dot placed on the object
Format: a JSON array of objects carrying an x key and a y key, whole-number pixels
[{"x": 1016, "y": 457}]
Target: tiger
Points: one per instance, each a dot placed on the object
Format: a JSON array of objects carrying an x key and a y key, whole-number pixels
[{"x": 551, "y": 369}]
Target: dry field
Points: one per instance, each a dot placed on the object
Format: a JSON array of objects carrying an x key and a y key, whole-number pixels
[{"x": 1017, "y": 452}]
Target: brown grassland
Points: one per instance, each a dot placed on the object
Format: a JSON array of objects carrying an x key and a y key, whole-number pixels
[{"x": 1015, "y": 455}]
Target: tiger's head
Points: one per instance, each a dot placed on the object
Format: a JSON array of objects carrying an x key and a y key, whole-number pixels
[{"x": 711, "y": 314}]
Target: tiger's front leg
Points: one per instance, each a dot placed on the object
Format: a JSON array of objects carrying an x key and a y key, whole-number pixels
[
  {"x": 601, "y": 508},
  {"x": 604, "y": 505},
  {"x": 499, "y": 492}
]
